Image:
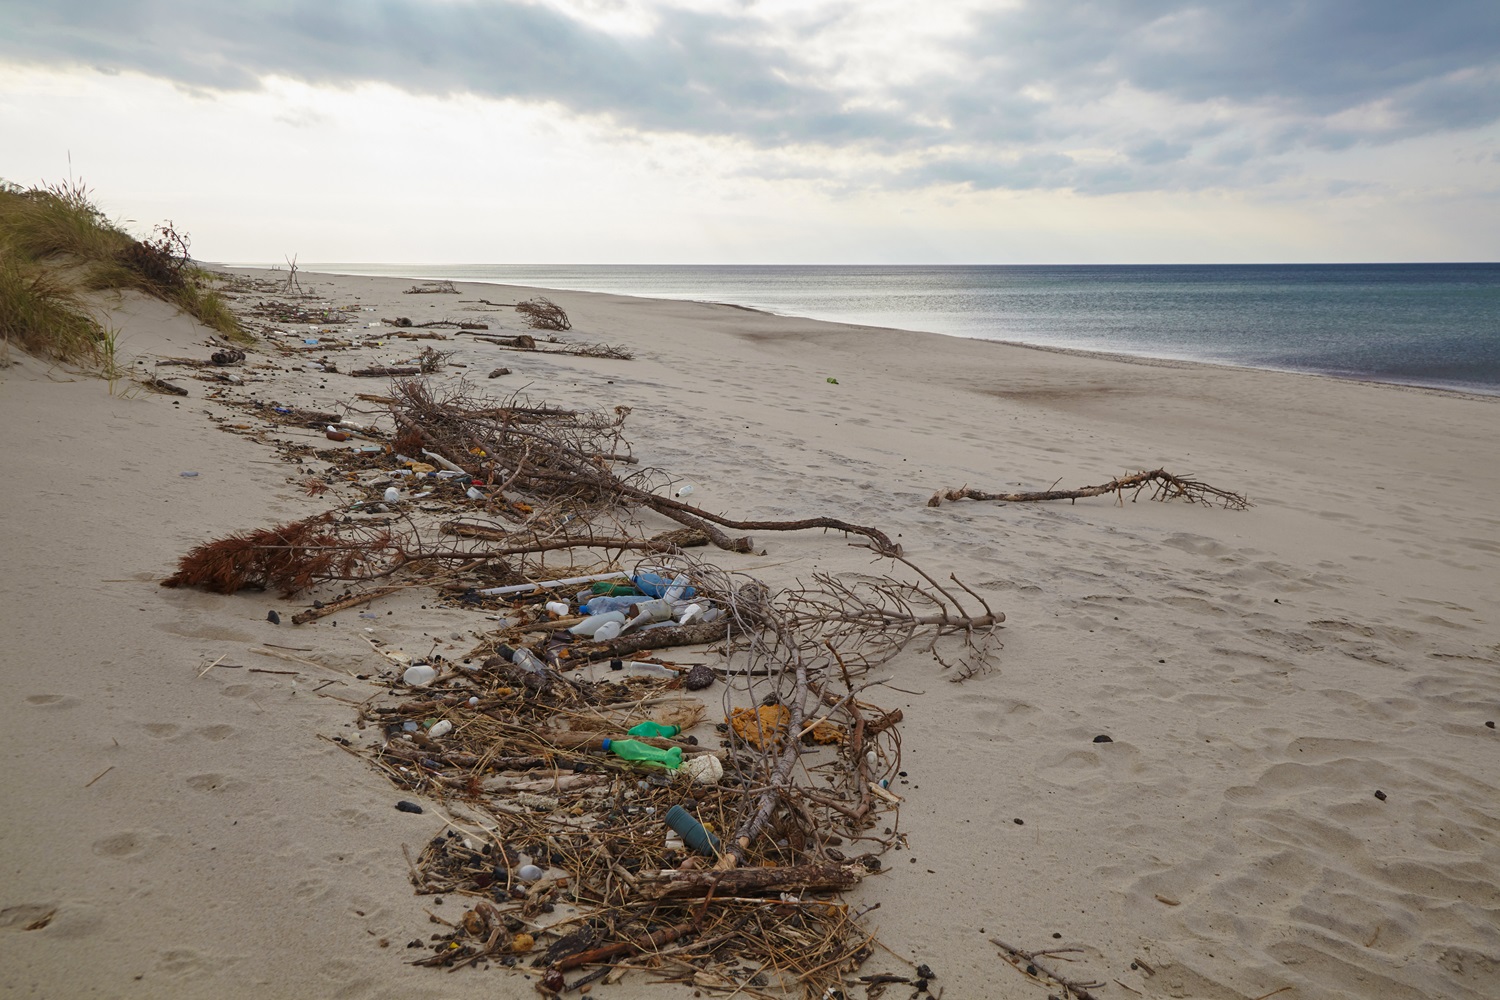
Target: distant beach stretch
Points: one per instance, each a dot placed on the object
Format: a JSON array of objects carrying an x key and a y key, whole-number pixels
[
  {"x": 1433, "y": 325},
  {"x": 1221, "y": 750}
]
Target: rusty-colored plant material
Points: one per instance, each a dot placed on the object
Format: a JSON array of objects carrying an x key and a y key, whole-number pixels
[{"x": 288, "y": 557}]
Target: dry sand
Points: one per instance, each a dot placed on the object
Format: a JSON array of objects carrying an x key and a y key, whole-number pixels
[{"x": 1261, "y": 673}]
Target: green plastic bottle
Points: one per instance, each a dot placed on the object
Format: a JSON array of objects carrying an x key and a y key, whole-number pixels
[
  {"x": 636, "y": 750},
  {"x": 649, "y": 728}
]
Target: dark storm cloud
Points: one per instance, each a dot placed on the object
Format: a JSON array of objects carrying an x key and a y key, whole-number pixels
[{"x": 1024, "y": 87}]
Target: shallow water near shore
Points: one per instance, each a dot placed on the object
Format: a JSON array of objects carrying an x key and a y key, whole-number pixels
[{"x": 1432, "y": 325}]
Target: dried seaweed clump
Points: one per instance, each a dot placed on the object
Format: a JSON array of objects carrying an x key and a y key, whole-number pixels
[
  {"x": 544, "y": 314},
  {"x": 288, "y": 557}
]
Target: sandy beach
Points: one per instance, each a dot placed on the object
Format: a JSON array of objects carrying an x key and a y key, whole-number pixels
[{"x": 1261, "y": 675}]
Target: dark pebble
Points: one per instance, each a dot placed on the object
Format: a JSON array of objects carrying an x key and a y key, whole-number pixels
[
  {"x": 408, "y": 807},
  {"x": 1056, "y": 936},
  {"x": 1491, "y": 723},
  {"x": 1101, "y": 738},
  {"x": 925, "y": 972},
  {"x": 273, "y": 618},
  {"x": 1019, "y": 821},
  {"x": 1380, "y": 795}
]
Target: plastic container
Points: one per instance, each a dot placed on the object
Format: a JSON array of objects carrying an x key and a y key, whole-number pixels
[
  {"x": 656, "y": 585},
  {"x": 601, "y": 605},
  {"x": 419, "y": 675},
  {"x": 523, "y": 658},
  {"x": 650, "y": 612},
  {"x": 592, "y": 623},
  {"x": 692, "y": 832},
  {"x": 646, "y": 754},
  {"x": 440, "y": 728},
  {"x": 392, "y": 494},
  {"x": 558, "y": 608},
  {"x": 649, "y": 728},
  {"x": 608, "y": 631}
]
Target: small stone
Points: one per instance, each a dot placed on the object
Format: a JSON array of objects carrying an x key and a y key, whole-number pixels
[
  {"x": 1019, "y": 821},
  {"x": 1380, "y": 795},
  {"x": 408, "y": 807},
  {"x": 924, "y": 972},
  {"x": 273, "y": 618},
  {"x": 1101, "y": 738},
  {"x": 1491, "y": 724},
  {"x": 698, "y": 678}
]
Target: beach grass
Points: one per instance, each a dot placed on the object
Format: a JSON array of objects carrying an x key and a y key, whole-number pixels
[{"x": 55, "y": 244}]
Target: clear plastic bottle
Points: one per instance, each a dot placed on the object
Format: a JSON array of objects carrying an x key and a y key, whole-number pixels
[
  {"x": 523, "y": 658},
  {"x": 601, "y": 605}
]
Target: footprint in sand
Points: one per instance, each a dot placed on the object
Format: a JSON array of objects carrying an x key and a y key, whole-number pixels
[
  {"x": 162, "y": 730},
  {"x": 214, "y": 783},
  {"x": 53, "y": 701},
  {"x": 129, "y": 844}
]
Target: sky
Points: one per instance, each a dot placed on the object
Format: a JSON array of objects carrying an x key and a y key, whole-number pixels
[{"x": 770, "y": 131}]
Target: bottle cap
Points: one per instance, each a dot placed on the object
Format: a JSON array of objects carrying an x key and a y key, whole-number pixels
[
  {"x": 607, "y": 742},
  {"x": 505, "y": 651}
]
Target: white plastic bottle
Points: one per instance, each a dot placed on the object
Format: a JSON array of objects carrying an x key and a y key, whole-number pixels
[{"x": 590, "y": 625}]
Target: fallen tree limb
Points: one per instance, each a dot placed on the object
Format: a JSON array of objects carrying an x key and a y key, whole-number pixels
[
  {"x": 1165, "y": 486},
  {"x": 656, "y": 638}
]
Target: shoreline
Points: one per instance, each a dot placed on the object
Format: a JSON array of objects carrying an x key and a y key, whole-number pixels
[
  {"x": 1128, "y": 357},
  {"x": 1260, "y": 674}
]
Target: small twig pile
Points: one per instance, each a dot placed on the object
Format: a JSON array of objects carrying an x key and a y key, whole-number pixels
[{"x": 543, "y": 314}]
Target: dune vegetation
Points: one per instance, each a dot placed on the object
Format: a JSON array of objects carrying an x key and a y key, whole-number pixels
[{"x": 56, "y": 246}]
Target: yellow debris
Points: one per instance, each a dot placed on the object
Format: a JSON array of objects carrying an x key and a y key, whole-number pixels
[{"x": 760, "y": 727}]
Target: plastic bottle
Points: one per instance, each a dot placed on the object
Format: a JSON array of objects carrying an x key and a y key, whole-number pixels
[
  {"x": 419, "y": 675},
  {"x": 638, "y": 751},
  {"x": 649, "y": 728},
  {"x": 440, "y": 728},
  {"x": 649, "y": 612},
  {"x": 557, "y": 608},
  {"x": 392, "y": 494},
  {"x": 601, "y": 605},
  {"x": 523, "y": 658},
  {"x": 608, "y": 631},
  {"x": 592, "y": 623},
  {"x": 692, "y": 832},
  {"x": 678, "y": 589},
  {"x": 656, "y": 585},
  {"x": 689, "y": 613}
]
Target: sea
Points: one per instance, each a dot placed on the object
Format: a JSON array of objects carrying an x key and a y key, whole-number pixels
[{"x": 1430, "y": 325}]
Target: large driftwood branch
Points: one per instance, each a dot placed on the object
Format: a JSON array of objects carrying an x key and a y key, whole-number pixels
[{"x": 1165, "y": 486}]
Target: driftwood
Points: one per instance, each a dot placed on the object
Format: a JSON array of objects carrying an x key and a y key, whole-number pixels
[
  {"x": 344, "y": 603},
  {"x": 1071, "y": 987},
  {"x": 655, "y": 638},
  {"x": 544, "y": 314},
  {"x": 1165, "y": 486},
  {"x": 162, "y": 386},
  {"x": 382, "y": 371},
  {"x": 750, "y": 881}
]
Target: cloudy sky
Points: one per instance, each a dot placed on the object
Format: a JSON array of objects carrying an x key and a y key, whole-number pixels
[{"x": 769, "y": 131}]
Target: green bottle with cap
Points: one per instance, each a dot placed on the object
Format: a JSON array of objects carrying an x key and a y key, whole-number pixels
[{"x": 638, "y": 751}]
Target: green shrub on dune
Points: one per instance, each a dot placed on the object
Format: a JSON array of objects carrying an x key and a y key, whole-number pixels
[{"x": 54, "y": 243}]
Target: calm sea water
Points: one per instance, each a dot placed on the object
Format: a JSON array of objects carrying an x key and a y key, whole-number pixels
[{"x": 1435, "y": 325}]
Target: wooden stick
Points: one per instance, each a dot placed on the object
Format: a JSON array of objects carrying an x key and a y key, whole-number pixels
[{"x": 344, "y": 603}]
